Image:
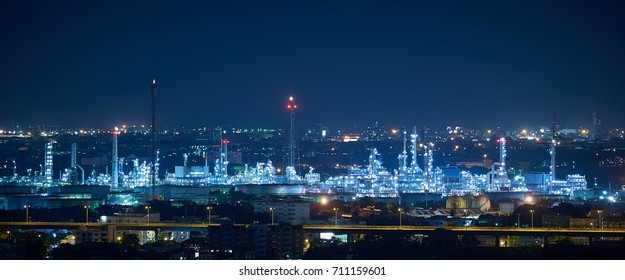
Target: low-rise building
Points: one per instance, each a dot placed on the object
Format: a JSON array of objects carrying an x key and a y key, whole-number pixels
[
  {"x": 285, "y": 211},
  {"x": 257, "y": 241},
  {"x": 614, "y": 222},
  {"x": 556, "y": 221},
  {"x": 584, "y": 223}
]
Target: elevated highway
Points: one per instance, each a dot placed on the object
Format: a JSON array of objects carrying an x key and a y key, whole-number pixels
[{"x": 341, "y": 229}]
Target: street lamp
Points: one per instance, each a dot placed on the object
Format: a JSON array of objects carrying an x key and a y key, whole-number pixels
[
  {"x": 336, "y": 217},
  {"x": 399, "y": 210},
  {"x": 148, "y": 208},
  {"x": 209, "y": 208},
  {"x": 86, "y": 214},
  {"x": 518, "y": 220},
  {"x": 26, "y": 207},
  {"x": 272, "y": 209},
  {"x": 532, "y": 212},
  {"x": 600, "y": 220}
]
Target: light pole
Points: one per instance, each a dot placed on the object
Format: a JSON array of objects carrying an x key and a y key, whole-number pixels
[
  {"x": 148, "y": 208},
  {"x": 209, "y": 208},
  {"x": 399, "y": 210},
  {"x": 86, "y": 214},
  {"x": 336, "y": 217},
  {"x": 518, "y": 220},
  {"x": 272, "y": 209},
  {"x": 26, "y": 207},
  {"x": 532, "y": 212},
  {"x": 600, "y": 220},
  {"x": 9, "y": 233}
]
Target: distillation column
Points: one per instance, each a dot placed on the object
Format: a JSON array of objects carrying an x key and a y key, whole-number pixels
[{"x": 114, "y": 178}]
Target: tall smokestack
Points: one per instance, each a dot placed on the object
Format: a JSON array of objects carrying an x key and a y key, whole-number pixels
[
  {"x": 115, "y": 160},
  {"x": 154, "y": 155},
  {"x": 552, "y": 151},
  {"x": 556, "y": 125},
  {"x": 73, "y": 163}
]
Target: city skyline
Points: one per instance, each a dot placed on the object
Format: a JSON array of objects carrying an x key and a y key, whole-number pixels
[{"x": 494, "y": 65}]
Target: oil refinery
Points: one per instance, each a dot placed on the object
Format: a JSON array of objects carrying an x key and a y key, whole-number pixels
[{"x": 133, "y": 180}]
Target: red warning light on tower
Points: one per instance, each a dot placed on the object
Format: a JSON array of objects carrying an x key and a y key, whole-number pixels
[
  {"x": 291, "y": 105},
  {"x": 225, "y": 141}
]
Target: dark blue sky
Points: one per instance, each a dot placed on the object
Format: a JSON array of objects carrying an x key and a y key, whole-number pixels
[{"x": 475, "y": 63}]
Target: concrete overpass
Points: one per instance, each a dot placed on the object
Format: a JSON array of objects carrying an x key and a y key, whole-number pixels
[
  {"x": 341, "y": 229},
  {"x": 87, "y": 226},
  {"x": 495, "y": 231}
]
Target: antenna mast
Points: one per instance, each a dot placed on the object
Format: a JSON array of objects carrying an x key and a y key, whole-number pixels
[{"x": 292, "y": 160}]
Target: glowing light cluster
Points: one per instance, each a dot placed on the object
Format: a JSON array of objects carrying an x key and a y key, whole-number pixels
[{"x": 291, "y": 105}]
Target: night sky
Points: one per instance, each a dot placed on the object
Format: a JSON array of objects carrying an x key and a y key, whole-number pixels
[{"x": 473, "y": 63}]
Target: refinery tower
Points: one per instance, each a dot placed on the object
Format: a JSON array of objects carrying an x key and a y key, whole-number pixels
[{"x": 292, "y": 153}]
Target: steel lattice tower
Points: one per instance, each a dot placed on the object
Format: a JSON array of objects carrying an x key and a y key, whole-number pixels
[{"x": 292, "y": 157}]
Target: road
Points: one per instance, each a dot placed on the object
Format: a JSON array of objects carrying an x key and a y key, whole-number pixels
[{"x": 348, "y": 229}]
